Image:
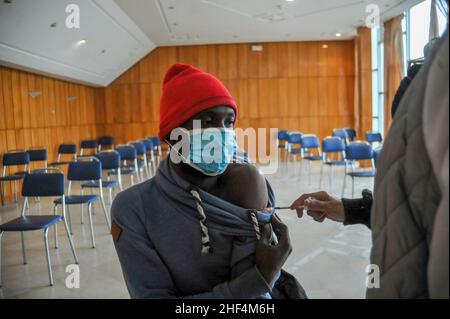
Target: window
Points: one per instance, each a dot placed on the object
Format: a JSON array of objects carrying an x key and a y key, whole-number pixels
[
  {"x": 377, "y": 80},
  {"x": 417, "y": 25}
]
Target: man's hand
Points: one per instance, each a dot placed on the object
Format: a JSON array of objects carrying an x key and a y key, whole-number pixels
[
  {"x": 319, "y": 206},
  {"x": 271, "y": 258}
]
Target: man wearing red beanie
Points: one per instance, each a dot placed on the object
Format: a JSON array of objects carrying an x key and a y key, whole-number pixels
[{"x": 174, "y": 237}]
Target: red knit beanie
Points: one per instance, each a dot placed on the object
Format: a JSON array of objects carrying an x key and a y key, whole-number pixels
[{"x": 186, "y": 92}]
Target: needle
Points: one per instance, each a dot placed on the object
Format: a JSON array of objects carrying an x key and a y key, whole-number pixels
[{"x": 287, "y": 207}]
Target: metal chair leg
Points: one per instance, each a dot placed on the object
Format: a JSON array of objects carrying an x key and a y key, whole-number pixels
[
  {"x": 69, "y": 236},
  {"x": 344, "y": 184},
  {"x": 331, "y": 177},
  {"x": 91, "y": 224},
  {"x": 1, "y": 235},
  {"x": 353, "y": 187},
  {"x": 47, "y": 252},
  {"x": 24, "y": 256},
  {"x": 69, "y": 220},
  {"x": 81, "y": 208},
  {"x": 110, "y": 196},
  {"x": 321, "y": 173},
  {"x": 2, "y": 194},
  {"x": 105, "y": 211},
  {"x": 15, "y": 192}
]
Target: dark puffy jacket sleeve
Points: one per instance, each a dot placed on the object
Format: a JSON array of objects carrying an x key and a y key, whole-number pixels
[{"x": 145, "y": 273}]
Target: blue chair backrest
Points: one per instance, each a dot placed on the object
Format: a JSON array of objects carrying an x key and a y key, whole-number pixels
[
  {"x": 67, "y": 149},
  {"x": 106, "y": 140},
  {"x": 359, "y": 151},
  {"x": 109, "y": 159},
  {"x": 295, "y": 138},
  {"x": 340, "y": 133},
  {"x": 333, "y": 144},
  {"x": 37, "y": 155},
  {"x": 16, "y": 158},
  {"x": 351, "y": 133},
  {"x": 89, "y": 144},
  {"x": 283, "y": 135},
  {"x": 148, "y": 144},
  {"x": 372, "y": 137},
  {"x": 127, "y": 152},
  {"x": 156, "y": 141},
  {"x": 84, "y": 171},
  {"x": 310, "y": 141},
  {"x": 43, "y": 184},
  {"x": 140, "y": 148},
  {"x": 376, "y": 155}
]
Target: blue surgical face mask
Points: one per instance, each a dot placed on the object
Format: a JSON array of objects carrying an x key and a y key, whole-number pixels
[{"x": 211, "y": 150}]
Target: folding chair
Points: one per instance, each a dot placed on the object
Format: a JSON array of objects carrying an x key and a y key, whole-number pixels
[
  {"x": 83, "y": 171},
  {"x": 40, "y": 184},
  {"x": 14, "y": 158}
]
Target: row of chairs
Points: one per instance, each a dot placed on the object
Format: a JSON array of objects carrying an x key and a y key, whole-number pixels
[
  {"x": 144, "y": 158},
  {"x": 88, "y": 170},
  {"x": 337, "y": 150}
]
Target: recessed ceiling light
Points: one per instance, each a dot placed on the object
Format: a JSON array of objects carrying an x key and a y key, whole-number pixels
[
  {"x": 80, "y": 43},
  {"x": 290, "y": 0},
  {"x": 338, "y": 34}
]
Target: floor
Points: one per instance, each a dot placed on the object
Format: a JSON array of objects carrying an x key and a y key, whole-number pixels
[{"x": 329, "y": 259}]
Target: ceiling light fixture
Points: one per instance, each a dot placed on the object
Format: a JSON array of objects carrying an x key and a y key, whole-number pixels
[
  {"x": 324, "y": 46},
  {"x": 338, "y": 34},
  {"x": 290, "y": 0}
]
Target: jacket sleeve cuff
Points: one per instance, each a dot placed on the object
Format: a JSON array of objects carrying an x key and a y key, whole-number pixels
[
  {"x": 357, "y": 211},
  {"x": 251, "y": 284}
]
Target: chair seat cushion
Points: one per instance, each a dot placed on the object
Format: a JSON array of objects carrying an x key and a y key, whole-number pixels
[
  {"x": 338, "y": 163},
  {"x": 12, "y": 177},
  {"x": 362, "y": 174},
  {"x": 313, "y": 158},
  {"x": 295, "y": 151},
  {"x": 78, "y": 199},
  {"x": 123, "y": 171},
  {"x": 30, "y": 223},
  {"x": 96, "y": 184},
  {"x": 60, "y": 163}
]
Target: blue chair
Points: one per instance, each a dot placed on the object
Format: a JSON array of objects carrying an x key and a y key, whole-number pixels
[
  {"x": 351, "y": 133},
  {"x": 38, "y": 154},
  {"x": 157, "y": 149},
  {"x": 355, "y": 152},
  {"x": 341, "y": 133},
  {"x": 110, "y": 160},
  {"x": 88, "y": 145},
  {"x": 295, "y": 139},
  {"x": 150, "y": 155},
  {"x": 88, "y": 169},
  {"x": 40, "y": 185},
  {"x": 141, "y": 151},
  {"x": 333, "y": 145},
  {"x": 15, "y": 158},
  {"x": 283, "y": 137},
  {"x": 376, "y": 155},
  {"x": 129, "y": 166},
  {"x": 64, "y": 150},
  {"x": 374, "y": 137},
  {"x": 311, "y": 142},
  {"x": 105, "y": 142}
]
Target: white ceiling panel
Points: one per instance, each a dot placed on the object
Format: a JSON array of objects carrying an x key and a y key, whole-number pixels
[
  {"x": 190, "y": 22},
  {"x": 113, "y": 41}
]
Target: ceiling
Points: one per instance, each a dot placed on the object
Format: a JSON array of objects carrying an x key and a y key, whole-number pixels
[
  {"x": 113, "y": 41},
  {"x": 187, "y": 22},
  {"x": 118, "y": 33}
]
